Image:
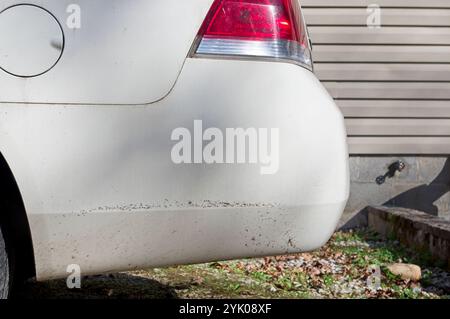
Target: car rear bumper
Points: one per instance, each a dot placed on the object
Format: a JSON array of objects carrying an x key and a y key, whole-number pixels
[{"x": 102, "y": 190}]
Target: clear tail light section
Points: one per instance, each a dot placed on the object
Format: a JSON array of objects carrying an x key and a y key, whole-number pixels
[{"x": 256, "y": 29}]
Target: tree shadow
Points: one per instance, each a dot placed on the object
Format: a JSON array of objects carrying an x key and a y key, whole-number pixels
[
  {"x": 113, "y": 286},
  {"x": 421, "y": 198},
  {"x": 424, "y": 196}
]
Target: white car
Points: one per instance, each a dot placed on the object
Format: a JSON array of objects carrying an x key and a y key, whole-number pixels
[{"x": 145, "y": 133}]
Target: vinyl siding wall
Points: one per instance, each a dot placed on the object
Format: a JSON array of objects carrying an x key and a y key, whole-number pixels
[{"x": 392, "y": 83}]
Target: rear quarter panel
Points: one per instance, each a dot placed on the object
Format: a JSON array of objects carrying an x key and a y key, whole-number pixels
[{"x": 115, "y": 51}]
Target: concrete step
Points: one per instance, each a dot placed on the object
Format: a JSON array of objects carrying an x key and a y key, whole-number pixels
[{"x": 420, "y": 231}]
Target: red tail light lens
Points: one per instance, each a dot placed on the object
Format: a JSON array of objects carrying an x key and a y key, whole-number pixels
[{"x": 271, "y": 29}]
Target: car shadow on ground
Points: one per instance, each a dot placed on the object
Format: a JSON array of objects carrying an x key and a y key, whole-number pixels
[{"x": 113, "y": 286}]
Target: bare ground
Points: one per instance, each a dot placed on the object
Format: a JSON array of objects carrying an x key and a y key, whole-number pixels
[{"x": 338, "y": 270}]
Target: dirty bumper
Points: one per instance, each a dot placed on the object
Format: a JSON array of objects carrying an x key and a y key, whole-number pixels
[{"x": 166, "y": 236}]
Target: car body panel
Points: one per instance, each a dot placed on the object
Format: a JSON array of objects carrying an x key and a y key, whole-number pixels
[
  {"x": 114, "y": 51},
  {"x": 102, "y": 191}
]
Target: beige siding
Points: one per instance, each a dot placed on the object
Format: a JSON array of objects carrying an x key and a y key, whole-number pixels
[
  {"x": 381, "y": 53},
  {"x": 398, "y": 127},
  {"x": 405, "y": 72},
  {"x": 385, "y": 35},
  {"x": 392, "y": 83},
  {"x": 386, "y": 90},
  {"x": 394, "y": 108},
  {"x": 391, "y": 17},
  {"x": 382, "y": 3},
  {"x": 400, "y": 145}
]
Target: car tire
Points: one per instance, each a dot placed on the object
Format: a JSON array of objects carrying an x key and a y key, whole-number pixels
[{"x": 4, "y": 269}]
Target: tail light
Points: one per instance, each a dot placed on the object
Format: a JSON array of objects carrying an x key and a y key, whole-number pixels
[{"x": 262, "y": 29}]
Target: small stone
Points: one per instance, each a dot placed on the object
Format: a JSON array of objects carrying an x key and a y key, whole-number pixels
[{"x": 406, "y": 271}]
